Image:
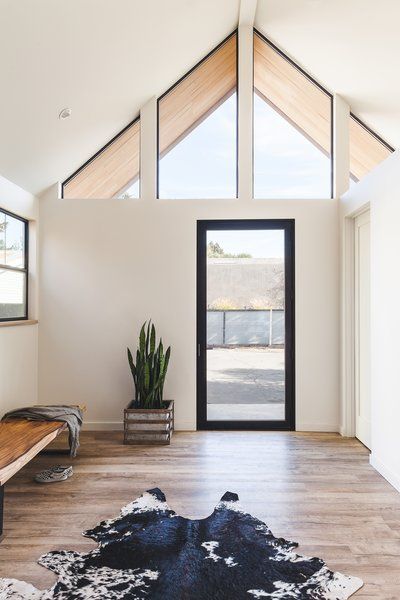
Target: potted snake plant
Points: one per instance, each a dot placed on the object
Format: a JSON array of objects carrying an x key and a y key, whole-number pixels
[{"x": 149, "y": 419}]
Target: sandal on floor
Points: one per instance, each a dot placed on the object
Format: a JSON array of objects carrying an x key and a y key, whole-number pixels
[{"x": 53, "y": 474}]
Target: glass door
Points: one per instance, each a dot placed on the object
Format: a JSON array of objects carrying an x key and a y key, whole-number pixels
[{"x": 245, "y": 324}]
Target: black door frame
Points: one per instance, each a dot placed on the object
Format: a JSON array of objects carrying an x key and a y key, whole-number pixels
[{"x": 288, "y": 225}]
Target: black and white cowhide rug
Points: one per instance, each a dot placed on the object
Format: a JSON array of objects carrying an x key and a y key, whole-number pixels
[{"x": 150, "y": 552}]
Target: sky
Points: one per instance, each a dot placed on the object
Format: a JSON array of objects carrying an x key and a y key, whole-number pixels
[
  {"x": 260, "y": 243},
  {"x": 203, "y": 164},
  {"x": 286, "y": 164},
  {"x": 11, "y": 254},
  {"x": 132, "y": 191},
  {"x": 11, "y": 238}
]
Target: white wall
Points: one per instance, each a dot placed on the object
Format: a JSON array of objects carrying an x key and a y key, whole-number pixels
[
  {"x": 107, "y": 265},
  {"x": 18, "y": 366},
  {"x": 380, "y": 189},
  {"x": 19, "y": 344}
]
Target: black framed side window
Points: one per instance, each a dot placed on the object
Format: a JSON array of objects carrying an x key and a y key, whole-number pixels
[{"x": 13, "y": 267}]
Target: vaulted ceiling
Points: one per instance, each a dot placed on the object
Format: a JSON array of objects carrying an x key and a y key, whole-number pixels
[
  {"x": 350, "y": 46},
  {"x": 105, "y": 58}
]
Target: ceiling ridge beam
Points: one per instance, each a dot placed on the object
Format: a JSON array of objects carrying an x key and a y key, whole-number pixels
[{"x": 247, "y": 12}]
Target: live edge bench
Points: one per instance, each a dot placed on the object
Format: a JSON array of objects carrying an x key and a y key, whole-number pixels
[{"x": 20, "y": 441}]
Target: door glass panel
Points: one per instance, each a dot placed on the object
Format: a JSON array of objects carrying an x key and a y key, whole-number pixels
[{"x": 246, "y": 325}]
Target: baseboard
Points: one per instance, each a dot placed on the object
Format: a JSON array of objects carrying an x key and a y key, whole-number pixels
[
  {"x": 185, "y": 426},
  {"x": 119, "y": 426},
  {"x": 318, "y": 427},
  {"x": 383, "y": 470},
  {"x": 103, "y": 425},
  {"x": 343, "y": 432},
  {"x": 188, "y": 426}
]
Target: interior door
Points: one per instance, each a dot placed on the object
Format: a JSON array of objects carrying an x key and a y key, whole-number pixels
[
  {"x": 245, "y": 324},
  {"x": 362, "y": 328}
]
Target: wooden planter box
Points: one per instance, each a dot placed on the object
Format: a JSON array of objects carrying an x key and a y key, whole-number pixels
[{"x": 149, "y": 426}]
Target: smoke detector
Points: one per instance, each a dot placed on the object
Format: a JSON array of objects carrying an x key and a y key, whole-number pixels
[{"x": 65, "y": 113}]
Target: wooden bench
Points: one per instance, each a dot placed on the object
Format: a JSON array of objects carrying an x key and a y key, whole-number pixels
[{"x": 20, "y": 441}]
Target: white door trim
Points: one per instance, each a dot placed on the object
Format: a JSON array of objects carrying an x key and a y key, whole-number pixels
[
  {"x": 348, "y": 396},
  {"x": 362, "y": 324}
]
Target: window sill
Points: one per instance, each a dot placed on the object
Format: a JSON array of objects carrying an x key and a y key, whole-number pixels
[{"x": 14, "y": 323}]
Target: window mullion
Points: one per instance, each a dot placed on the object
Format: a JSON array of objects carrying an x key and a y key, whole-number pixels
[
  {"x": 245, "y": 112},
  {"x": 9, "y": 268}
]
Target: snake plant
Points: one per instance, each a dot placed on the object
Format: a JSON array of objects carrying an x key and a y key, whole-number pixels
[{"x": 149, "y": 370}]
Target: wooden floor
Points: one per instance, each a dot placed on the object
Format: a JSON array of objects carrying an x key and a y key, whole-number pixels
[{"x": 317, "y": 489}]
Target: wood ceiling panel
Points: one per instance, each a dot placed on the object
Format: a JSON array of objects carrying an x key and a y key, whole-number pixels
[
  {"x": 366, "y": 151},
  {"x": 111, "y": 171},
  {"x": 290, "y": 92},
  {"x": 197, "y": 95}
]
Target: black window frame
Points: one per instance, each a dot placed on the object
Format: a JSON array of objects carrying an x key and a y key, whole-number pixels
[
  {"x": 24, "y": 269},
  {"x": 289, "y": 226}
]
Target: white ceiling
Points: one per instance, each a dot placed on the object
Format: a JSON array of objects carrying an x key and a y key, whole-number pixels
[
  {"x": 105, "y": 58},
  {"x": 350, "y": 46},
  {"x": 102, "y": 58}
]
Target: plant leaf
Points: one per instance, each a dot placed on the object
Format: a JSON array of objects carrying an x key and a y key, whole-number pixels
[
  {"x": 146, "y": 377},
  {"x": 131, "y": 364},
  {"x": 153, "y": 339},
  {"x": 148, "y": 337},
  {"x": 167, "y": 356},
  {"x": 142, "y": 338}
]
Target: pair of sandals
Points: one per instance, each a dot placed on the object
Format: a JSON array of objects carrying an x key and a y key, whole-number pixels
[{"x": 54, "y": 474}]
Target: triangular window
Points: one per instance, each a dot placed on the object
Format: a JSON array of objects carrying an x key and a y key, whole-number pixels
[
  {"x": 113, "y": 172},
  {"x": 292, "y": 128},
  {"x": 197, "y": 136},
  {"x": 367, "y": 149},
  {"x": 197, "y": 129}
]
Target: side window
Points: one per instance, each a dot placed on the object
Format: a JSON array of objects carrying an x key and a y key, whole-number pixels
[{"x": 13, "y": 267}]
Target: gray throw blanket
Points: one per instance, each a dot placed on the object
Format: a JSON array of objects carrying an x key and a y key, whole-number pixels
[{"x": 72, "y": 415}]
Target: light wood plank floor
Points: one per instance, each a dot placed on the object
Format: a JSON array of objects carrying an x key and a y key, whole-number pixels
[{"x": 317, "y": 489}]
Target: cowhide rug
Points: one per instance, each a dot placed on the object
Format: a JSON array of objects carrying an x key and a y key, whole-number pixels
[{"x": 150, "y": 552}]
